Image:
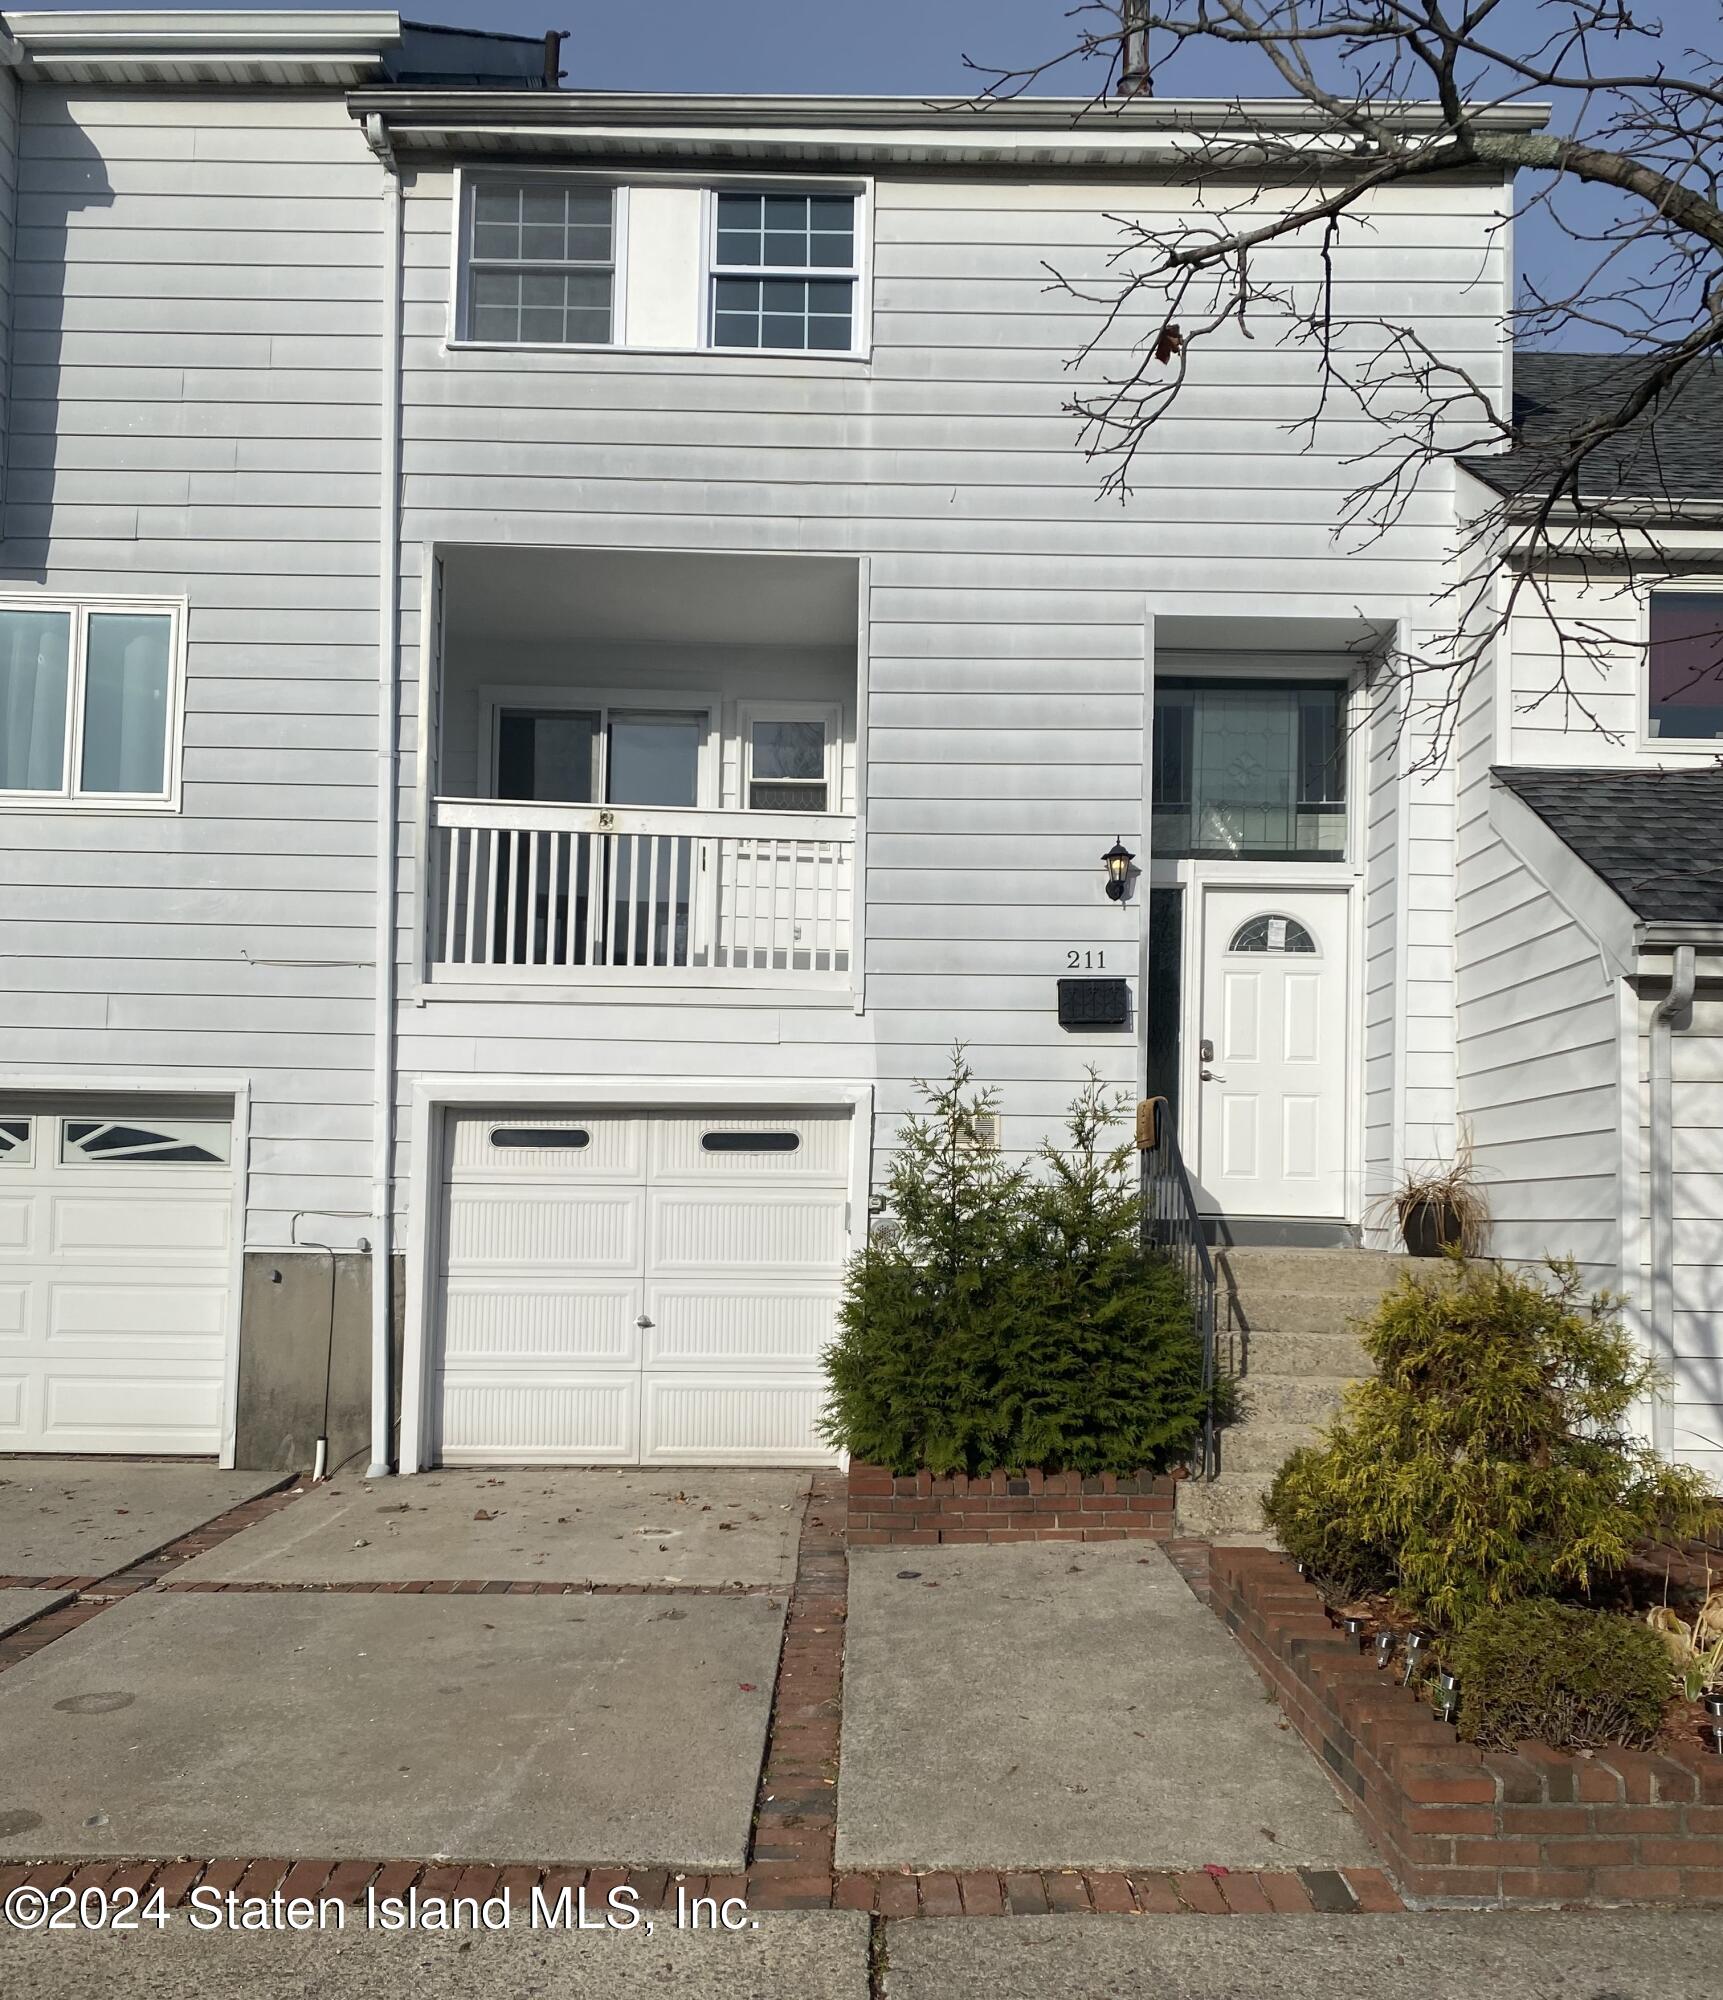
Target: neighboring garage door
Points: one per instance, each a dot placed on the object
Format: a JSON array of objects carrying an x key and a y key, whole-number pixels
[
  {"x": 115, "y": 1268},
  {"x": 636, "y": 1288}
]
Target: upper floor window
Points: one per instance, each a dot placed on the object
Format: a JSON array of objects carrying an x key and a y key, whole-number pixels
[
  {"x": 88, "y": 703},
  {"x": 1250, "y": 770},
  {"x": 541, "y": 262},
  {"x": 1687, "y": 664},
  {"x": 784, "y": 272}
]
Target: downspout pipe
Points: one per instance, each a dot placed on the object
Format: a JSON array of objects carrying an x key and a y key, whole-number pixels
[
  {"x": 1682, "y": 980},
  {"x": 388, "y": 680}
]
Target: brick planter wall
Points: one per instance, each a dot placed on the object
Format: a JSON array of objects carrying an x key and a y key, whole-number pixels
[
  {"x": 1456, "y": 1824},
  {"x": 921, "y": 1509}
]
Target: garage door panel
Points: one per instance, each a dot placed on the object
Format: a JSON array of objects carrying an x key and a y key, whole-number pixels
[
  {"x": 115, "y": 1278},
  {"x": 187, "y": 1315},
  {"x": 736, "y": 1146},
  {"x": 17, "y": 1225},
  {"x": 543, "y": 1417},
  {"x": 738, "y": 1326},
  {"x": 138, "y": 1230},
  {"x": 592, "y": 1230},
  {"x": 717, "y": 1420},
  {"x": 710, "y": 1229},
  {"x": 521, "y": 1320},
  {"x": 97, "y": 1407},
  {"x": 497, "y": 1146}
]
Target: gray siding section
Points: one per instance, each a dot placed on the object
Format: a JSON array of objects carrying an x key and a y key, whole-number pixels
[{"x": 194, "y": 414}]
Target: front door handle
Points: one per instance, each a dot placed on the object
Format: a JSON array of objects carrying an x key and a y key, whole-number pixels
[{"x": 1211, "y": 1076}]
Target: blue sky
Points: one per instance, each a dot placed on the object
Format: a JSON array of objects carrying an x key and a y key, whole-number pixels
[{"x": 914, "y": 46}]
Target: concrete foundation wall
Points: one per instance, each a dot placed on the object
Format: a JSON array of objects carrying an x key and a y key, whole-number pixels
[{"x": 297, "y": 1331}]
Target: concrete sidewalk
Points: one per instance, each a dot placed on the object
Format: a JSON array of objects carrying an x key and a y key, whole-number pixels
[
  {"x": 90, "y": 1517},
  {"x": 526, "y": 1524},
  {"x": 816, "y": 1957},
  {"x": 1058, "y": 1705},
  {"x": 18, "y": 1607},
  {"x": 1585, "y": 1955}
]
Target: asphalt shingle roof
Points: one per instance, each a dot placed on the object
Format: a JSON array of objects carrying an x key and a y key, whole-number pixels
[
  {"x": 1656, "y": 837},
  {"x": 1673, "y": 453}
]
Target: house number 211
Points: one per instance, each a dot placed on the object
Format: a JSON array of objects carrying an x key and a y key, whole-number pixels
[{"x": 1085, "y": 961}]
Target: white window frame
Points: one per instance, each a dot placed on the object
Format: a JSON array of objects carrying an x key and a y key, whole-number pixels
[
  {"x": 604, "y": 702},
  {"x": 828, "y": 713},
  {"x": 1706, "y": 748},
  {"x": 69, "y": 797},
  {"x": 857, "y": 273},
  {"x": 460, "y": 285}
]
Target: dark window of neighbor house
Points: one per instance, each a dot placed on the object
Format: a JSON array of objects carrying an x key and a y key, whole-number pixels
[
  {"x": 1687, "y": 664},
  {"x": 1250, "y": 770}
]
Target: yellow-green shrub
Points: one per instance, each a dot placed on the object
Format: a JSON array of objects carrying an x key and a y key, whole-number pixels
[{"x": 1490, "y": 1458}]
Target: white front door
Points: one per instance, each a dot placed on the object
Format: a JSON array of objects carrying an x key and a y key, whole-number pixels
[
  {"x": 1272, "y": 1070},
  {"x": 640, "y": 1288}
]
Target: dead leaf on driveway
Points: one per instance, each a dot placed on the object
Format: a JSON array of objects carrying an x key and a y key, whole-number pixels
[{"x": 484, "y": 1514}]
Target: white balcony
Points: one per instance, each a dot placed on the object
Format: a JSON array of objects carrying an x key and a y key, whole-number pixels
[{"x": 584, "y": 895}]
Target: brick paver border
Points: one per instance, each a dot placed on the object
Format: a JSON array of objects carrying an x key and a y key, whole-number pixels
[{"x": 921, "y": 1509}]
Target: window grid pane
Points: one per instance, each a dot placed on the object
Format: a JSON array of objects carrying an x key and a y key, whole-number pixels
[
  {"x": 540, "y": 264},
  {"x": 127, "y": 682},
  {"x": 35, "y": 684},
  {"x": 786, "y": 234}
]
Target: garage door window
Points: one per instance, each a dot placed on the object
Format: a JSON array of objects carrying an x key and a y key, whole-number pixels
[
  {"x": 750, "y": 1142},
  {"x": 191, "y": 1142},
  {"x": 14, "y": 1142},
  {"x": 568, "y": 1138}
]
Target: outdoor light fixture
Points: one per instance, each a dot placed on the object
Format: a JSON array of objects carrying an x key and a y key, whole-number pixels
[
  {"x": 1417, "y": 1653},
  {"x": 1713, "y": 1700},
  {"x": 1447, "y": 1701},
  {"x": 1713, "y": 1734},
  {"x": 1357, "y": 1629},
  {"x": 1384, "y": 1649},
  {"x": 1117, "y": 861}
]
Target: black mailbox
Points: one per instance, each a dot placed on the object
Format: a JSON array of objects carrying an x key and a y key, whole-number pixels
[{"x": 1094, "y": 1003}]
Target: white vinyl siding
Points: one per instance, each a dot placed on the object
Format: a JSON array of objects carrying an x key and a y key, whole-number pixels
[
  {"x": 1002, "y": 747},
  {"x": 194, "y": 415}
]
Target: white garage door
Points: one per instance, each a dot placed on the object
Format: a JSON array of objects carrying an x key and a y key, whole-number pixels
[
  {"x": 115, "y": 1240},
  {"x": 626, "y": 1288}
]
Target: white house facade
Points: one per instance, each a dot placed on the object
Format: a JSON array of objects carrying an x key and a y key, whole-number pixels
[{"x": 557, "y": 651}]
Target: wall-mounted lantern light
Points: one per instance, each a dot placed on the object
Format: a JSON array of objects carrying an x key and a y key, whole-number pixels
[{"x": 1117, "y": 860}]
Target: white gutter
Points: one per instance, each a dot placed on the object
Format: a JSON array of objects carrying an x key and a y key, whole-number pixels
[
  {"x": 388, "y": 627},
  {"x": 1678, "y": 1000}
]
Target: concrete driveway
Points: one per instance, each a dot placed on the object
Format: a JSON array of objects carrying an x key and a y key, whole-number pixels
[
  {"x": 526, "y": 1525},
  {"x": 1056, "y": 1705},
  {"x": 18, "y": 1607},
  {"x": 624, "y": 1729},
  {"x": 90, "y": 1517}
]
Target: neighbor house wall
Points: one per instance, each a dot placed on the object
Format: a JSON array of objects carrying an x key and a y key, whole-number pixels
[{"x": 194, "y": 413}]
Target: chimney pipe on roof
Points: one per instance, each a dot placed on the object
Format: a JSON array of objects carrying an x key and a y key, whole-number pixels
[
  {"x": 553, "y": 70},
  {"x": 1135, "y": 77}
]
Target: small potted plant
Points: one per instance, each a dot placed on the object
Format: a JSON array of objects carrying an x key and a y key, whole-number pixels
[{"x": 1441, "y": 1209}]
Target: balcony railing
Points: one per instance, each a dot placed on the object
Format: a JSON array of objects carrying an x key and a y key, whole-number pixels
[{"x": 607, "y": 893}]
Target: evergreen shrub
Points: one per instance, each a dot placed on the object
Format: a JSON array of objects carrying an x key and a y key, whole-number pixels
[
  {"x": 1008, "y": 1319},
  {"x": 1560, "y": 1674},
  {"x": 1490, "y": 1458}
]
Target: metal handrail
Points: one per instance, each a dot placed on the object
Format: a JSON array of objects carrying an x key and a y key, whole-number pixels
[{"x": 1173, "y": 1228}]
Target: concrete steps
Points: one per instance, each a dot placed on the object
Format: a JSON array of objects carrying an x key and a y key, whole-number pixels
[{"x": 1285, "y": 1325}]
